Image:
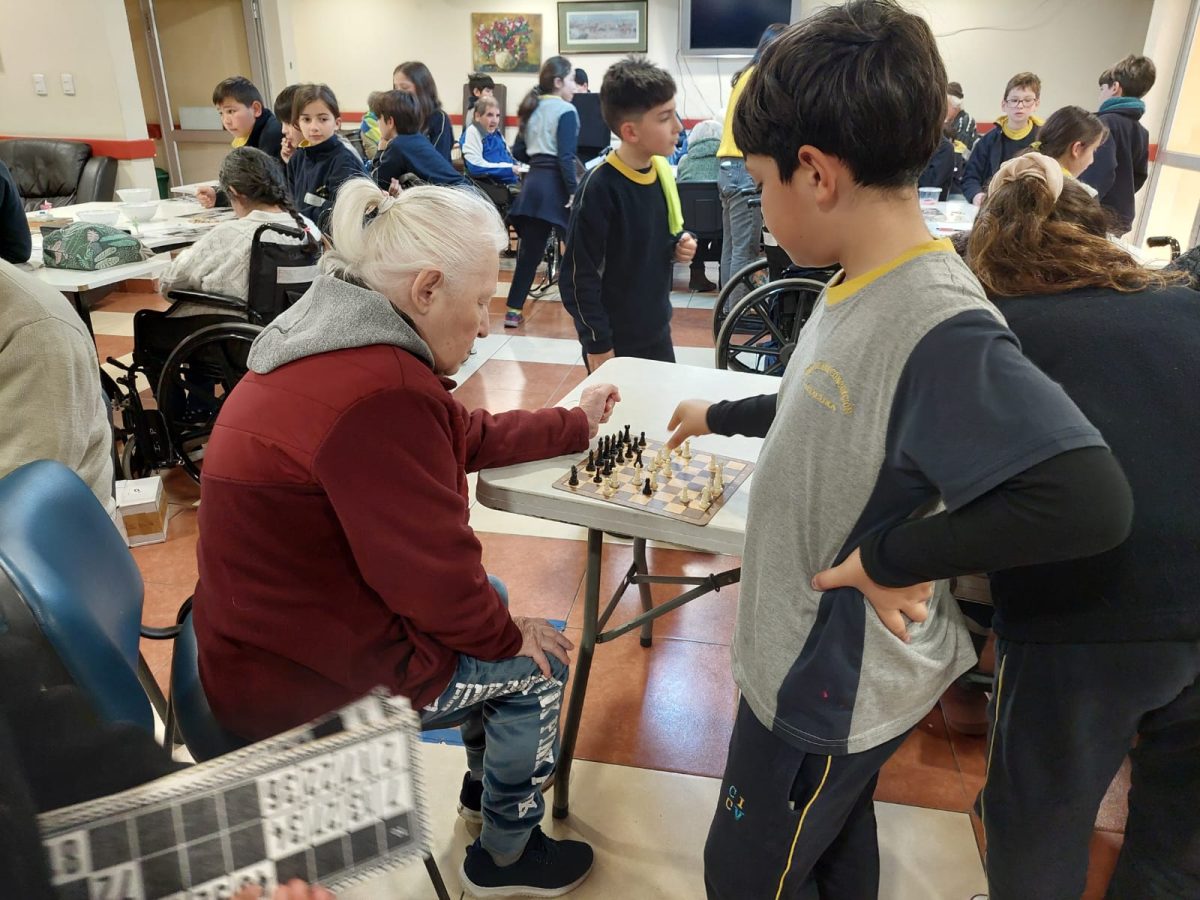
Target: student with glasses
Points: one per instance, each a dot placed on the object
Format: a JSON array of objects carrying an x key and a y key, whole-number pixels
[{"x": 1015, "y": 130}]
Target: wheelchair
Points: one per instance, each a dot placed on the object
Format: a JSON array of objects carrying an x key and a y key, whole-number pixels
[
  {"x": 757, "y": 330},
  {"x": 194, "y": 353}
]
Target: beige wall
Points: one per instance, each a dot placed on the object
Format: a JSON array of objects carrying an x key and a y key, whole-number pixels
[
  {"x": 354, "y": 46},
  {"x": 90, "y": 40}
]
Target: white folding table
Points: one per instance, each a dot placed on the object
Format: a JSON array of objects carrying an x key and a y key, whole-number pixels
[{"x": 650, "y": 391}]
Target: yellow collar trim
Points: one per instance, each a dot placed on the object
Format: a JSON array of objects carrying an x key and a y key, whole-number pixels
[
  {"x": 631, "y": 173},
  {"x": 842, "y": 290},
  {"x": 239, "y": 141},
  {"x": 1066, "y": 171},
  {"x": 1002, "y": 121}
]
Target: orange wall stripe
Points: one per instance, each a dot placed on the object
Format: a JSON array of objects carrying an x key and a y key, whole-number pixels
[{"x": 142, "y": 148}]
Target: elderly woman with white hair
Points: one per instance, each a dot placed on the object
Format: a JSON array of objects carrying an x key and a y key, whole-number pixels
[{"x": 335, "y": 549}]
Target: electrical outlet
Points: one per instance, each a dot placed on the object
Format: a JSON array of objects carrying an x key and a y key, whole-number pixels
[
  {"x": 39, "y": 85},
  {"x": 68, "y": 84}
]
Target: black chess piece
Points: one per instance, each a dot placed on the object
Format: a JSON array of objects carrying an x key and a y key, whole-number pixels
[
  {"x": 597, "y": 478},
  {"x": 591, "y": 463},
  {"x": 642, "y": 440},
  {"x": 629, "y": 452},
  {"x": 638, "y": 461},
  {"x": 625, "y": 438},
  {"x": 608, "y": 467},
  {"x": 646, "y": 489},
  {"x": 604, "y": 446},
  {"x": 574, "y": 479}
]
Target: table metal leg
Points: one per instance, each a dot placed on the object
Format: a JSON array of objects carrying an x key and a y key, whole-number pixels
[
  {"x": 639, "y": 563},
  {"x": 579, "y": 675}
]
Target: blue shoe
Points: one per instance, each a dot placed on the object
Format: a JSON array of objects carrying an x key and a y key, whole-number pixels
[{"x": 513, "y": 319}]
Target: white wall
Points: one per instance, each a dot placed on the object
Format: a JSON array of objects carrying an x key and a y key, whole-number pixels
[
  {"x": 90, "y": 40},
  {"x": 355, "y": 46}
]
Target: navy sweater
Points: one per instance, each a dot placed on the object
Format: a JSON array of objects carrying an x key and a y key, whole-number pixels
[
  {"x": 991, "y": 152},
  {"x": 1130, "y": 362},
  {"x": 315, "y": 174},
  {"x": 440, "y": 132},
  {"x": 1121, "y": 164},
  {"x": 15, "y": 241},
  {"x": 616, "y": 274},
  {"x": 413, "y": 154}
]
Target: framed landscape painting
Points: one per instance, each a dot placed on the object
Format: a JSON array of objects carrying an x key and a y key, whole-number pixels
[{"x": 602, "y": 27}]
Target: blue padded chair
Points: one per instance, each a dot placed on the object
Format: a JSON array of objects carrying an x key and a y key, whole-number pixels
[
  {"x": 62, "y": 556},
  {"x": 189, "y": 709}
]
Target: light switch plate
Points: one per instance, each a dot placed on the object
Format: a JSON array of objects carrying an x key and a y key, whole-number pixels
[
  {"x": 68, "y": 84},
  {"x": 39, "y": 85}
]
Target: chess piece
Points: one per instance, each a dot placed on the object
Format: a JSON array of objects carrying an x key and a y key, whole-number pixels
[
  {"x": 647, "y": 490},
  {"x": 706, "y": 497},
  {"x": 653, "y": 479},
  {"x": 684, "y": 495},
  {"x": 608, "y": 490},
  {"x": 712, "y": 464},
  {"x": 613, "y": 481},
  {"x": 573, "y": 481},
  {"x": 629, "y": 451},
  {"x": 638, "y": 462},
  {"x": 608, "y": 467},
  {"x": 686, "y": 452},
  {"x": 625, "y": 439},
  {"x": 591, "y": 463},
  {"x": 642, "y": 440},
  {"x": 718, "y": 482},
  {"x": 597, "y": 478}
]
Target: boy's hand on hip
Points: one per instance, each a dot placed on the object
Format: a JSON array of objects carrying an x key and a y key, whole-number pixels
[
  {"x": 206, "y": 197},
  {"x": 595, "y": 360},
  {"x": 892, "y": 605},
  {"x": 597, "y": 403},
  {"x": 686, "y": 248},
  {"x": 689, "y": 420}
]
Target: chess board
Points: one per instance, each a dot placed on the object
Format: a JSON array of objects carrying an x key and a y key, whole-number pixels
[
  {"x": 664, "y": 502},
  {"x": 334, "y": 803}
]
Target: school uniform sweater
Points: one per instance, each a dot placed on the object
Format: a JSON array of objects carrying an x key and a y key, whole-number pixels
[
  {"x": 407, "y": 154},
  {"x": 314, "y": 175},
  {"x": 440, "y": 133},
  {"x": 1131, "y": 363},
  {"x": 1121, "y": 163},
  {"x": 16, "y": 243},
  {"x": 616, "y": 274},
  {"x": 992, "y": 151},
  {"x": 267, "y": 134}
]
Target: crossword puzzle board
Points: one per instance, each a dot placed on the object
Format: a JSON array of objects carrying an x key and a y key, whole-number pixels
[
  {"x": 664, "y": 502},
  {"x": 334, "y": 803}
]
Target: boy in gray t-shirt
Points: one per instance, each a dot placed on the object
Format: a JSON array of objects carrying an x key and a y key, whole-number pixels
[{"x": 910, "y": 441}]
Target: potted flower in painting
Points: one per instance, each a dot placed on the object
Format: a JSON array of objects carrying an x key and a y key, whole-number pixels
[{"x": 506, "y": 41}]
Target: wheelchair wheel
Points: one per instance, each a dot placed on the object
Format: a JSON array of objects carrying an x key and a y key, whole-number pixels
[
  {"x": 759, "y": 335},
  {"x": 744, "y": 280},
  {"x": 553, "y": 262},
  {"x": 196, "y": 379}
]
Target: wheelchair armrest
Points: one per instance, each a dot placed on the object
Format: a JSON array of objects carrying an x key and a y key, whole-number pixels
[
  {"x": 211, "y": 299},
  {"x": 160, "y": 634}
]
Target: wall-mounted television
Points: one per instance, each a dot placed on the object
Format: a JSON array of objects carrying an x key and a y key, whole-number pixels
[{"x": 729, "y": 27}]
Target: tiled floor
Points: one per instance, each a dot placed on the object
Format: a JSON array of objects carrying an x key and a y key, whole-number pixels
[{"x": 657, "y": 720}]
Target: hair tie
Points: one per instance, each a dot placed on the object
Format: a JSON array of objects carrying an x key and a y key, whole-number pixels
[
  {"x": 1030, "y": 165},
  {"x": 386, "y": 203}
]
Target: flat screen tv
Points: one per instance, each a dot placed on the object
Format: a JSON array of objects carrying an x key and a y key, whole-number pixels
[{"x": 729, "y": 27}]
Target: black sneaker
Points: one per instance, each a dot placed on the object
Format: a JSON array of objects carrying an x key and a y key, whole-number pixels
[
  {"x": 470, "y": 800},
  {"x": 547, "y": 868}
]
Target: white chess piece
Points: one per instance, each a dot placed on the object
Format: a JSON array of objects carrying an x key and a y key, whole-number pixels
[
  {"x": 653, "y": 481},
  {"x": 705, "y": 499},
  {"x": 712, "y": 464},
  {"x": 684, "y": 495},
  {"x": 686, "y": 453}
]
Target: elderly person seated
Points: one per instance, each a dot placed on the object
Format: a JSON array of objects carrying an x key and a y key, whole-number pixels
[
  {"x": 219, "y": 263},
  {"x": 335, "y": 550},
  {"x": 701, "y": 164}
]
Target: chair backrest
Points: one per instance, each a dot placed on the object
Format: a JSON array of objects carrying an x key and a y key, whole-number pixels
[
  {"x": 66, "y": 559},
  {"x": 701, "y": 208},
  {"x": 280, "y": 273},
  {"x": 204, "y": 738},
  {"x": 45, "y": 169},
  {"x": 500, "y": 92}
]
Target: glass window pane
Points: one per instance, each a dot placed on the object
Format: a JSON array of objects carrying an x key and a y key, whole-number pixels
[
  {"x": 1185, "y": 129},
  {"x": 1176, "y": 201}
]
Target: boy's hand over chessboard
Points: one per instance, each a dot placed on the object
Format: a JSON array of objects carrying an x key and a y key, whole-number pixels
[{"x": 689, "y": 420}]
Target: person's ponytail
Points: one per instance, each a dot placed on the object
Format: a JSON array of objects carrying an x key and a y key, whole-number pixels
[
  {"x": 552, "y": 69},
  {"x": 357, "y": 199}
]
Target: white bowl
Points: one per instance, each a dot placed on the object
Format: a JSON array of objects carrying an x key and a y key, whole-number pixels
[
  {"x": 98, "y": 216},
  {"x": 136, "y": 195},
  {"x": 140, "y": 212}
]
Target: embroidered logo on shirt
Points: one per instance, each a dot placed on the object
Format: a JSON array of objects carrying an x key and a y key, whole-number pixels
[
  {"x": 735, "y": 803},
  {"x": 843, "y": 402}
]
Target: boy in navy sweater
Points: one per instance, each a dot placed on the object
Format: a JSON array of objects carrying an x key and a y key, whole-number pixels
[
  {"x": 1122, "y": 162},
  {"x": 1014, "y": 132},
  {"x": 626, "y": 227},
  {"x": 407, "y": 151},
  {"x": 245, "y": 116}
]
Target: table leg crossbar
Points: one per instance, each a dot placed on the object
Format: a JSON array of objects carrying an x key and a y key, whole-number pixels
[{"x": 594, "y": 621}]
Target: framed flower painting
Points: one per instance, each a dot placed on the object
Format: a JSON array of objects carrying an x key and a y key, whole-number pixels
[{"x": 506, "y": 42}]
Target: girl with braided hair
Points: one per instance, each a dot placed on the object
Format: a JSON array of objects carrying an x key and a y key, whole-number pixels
[{"x": 219, "y": 263}]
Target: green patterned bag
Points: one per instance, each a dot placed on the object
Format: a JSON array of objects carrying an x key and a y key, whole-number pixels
[{"x": 87, "y": 246}]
